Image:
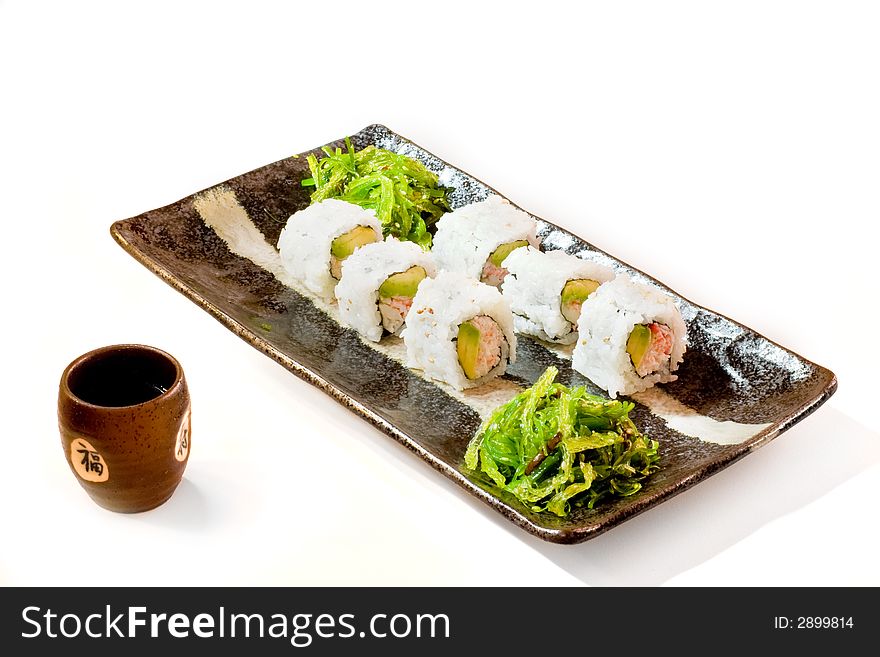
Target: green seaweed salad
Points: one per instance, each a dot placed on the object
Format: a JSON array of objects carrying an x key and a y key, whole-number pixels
[
  {"x": 556, "y": 447},
  {"x": 406, "y": 197}
]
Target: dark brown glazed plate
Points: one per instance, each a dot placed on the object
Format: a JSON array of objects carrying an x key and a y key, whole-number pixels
[{"x": 736, "y": 390}]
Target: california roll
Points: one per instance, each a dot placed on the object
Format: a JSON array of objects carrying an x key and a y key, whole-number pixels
[{"x": 459, "y": 331}]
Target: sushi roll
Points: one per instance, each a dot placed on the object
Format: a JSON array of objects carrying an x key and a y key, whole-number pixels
[
  {"x": 377, "y": 286},
  {"x": 459, "y": 331},
  {"x": 316, "y": 240},
  {"x": 476, "y": 239},
  {"x": 546, "y": 291},
  {"x": 630, "y": 336}
]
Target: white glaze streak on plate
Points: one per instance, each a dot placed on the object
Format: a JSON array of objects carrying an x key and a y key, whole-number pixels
[
  {"x": 220, "y": 210},
  {"x": 687, "y": 421}
]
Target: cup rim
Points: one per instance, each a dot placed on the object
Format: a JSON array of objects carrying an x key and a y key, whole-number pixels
[{"x": 79, "y": 360}]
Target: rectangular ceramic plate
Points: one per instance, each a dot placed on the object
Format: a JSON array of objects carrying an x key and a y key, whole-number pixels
[{"x": 736, "y": 390}]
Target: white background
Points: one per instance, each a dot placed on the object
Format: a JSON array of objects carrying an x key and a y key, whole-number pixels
[{"x": 731, "y": 150}]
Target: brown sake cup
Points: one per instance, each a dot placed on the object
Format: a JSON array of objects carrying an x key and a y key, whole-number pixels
[{"x": 124, "y": 417}]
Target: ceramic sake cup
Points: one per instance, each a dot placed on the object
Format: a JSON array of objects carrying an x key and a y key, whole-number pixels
[{"x": 124, "y": 418}]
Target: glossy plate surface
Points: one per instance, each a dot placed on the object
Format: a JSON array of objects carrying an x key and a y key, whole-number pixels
[{"x": 736, "y": 390}]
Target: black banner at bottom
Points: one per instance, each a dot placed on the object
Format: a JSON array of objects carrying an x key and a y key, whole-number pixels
[{"x": 277, "y": 621}]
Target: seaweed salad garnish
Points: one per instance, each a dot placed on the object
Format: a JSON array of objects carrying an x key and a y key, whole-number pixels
[
  {"x": 556, "y": 448},
  {"x": 404, "y": 194}
]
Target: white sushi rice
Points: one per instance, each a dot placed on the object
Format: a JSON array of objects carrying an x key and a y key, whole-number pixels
[
  {"x": 305, "y": 241},
  {"x": 467, "y": 237},
  {"x": 362, "y": 274},
  {"x": 607, "y": 318},
  {"x": 534, "y": 285},
  {"x": 439, "y": 308}
]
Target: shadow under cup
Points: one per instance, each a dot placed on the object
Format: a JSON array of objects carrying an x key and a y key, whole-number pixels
[{"x": 124, "y": 419}]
